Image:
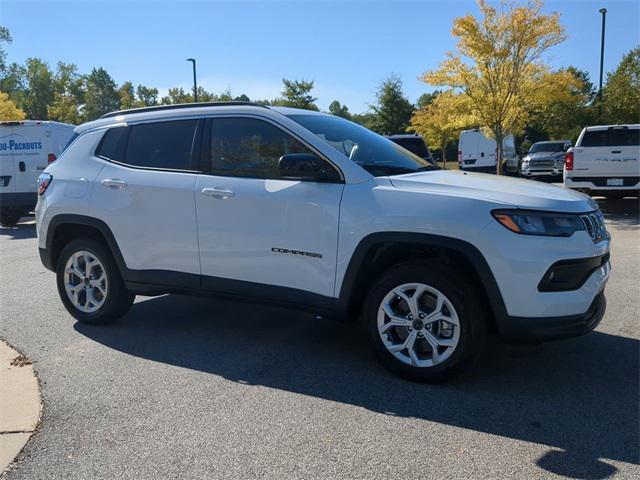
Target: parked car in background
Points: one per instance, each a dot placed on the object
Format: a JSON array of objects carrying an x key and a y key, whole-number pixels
[
  {"x": 415, "y": 144},
  {"x": 26, "y": 148},
  {"x": 545, "y": 160},
  {"x": 477, "y": 152},
  {"x": 605, "y": 161}
]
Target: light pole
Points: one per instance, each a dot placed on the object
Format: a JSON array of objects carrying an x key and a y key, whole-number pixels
[
  {"x": 603, "y": 11},
  {"x": 195, "y": 84}
]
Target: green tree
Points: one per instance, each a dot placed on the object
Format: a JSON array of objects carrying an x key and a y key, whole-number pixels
[
  {"x": 13, "y": 81},
  {"x": 5, "y": 37},
  {"x": 127, "y": 94},
  {"x": 426, "y": 99},
  {"x": 40, "y": 89},
  {"x": 392, "y": 110},
  {"x": 101, "y": 95},
  {"x": 339, "y": 110},
  {"x": 621, "y": 94},
  {"x": 297, "y": 94},
  {"x": 146, "y": 96},
  {"x": 68, "y": 94}
]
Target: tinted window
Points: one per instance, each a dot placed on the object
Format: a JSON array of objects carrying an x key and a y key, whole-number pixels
[
  {"x": 555, "y": 147},
  {"x": 414, "y": 145},
  {"x": 246, "y": 147},
  {"x": 162, "y": 145},
  {"x": 113, "y": 144},
  {"x": 614, "y": 137},
  {"x": 376, "y": 154}
]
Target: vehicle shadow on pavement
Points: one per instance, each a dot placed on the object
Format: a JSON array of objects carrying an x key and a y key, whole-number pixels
[
  {"x": 21, "y": 231},
  {"x": 622, "y": 214},
  {"x": 579, "y": 396}
]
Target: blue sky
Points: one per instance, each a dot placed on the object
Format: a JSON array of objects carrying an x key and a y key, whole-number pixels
[{"x": 346, "y": 47}]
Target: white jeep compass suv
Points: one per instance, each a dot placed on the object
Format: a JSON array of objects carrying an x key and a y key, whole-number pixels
[{"x": 313, "y": 211}]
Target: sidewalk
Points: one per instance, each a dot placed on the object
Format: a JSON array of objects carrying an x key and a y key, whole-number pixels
[{"x": 20, "y": 404}]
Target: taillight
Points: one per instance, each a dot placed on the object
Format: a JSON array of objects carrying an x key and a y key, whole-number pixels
[
  {"x": 44, "y": 180},
  {"x": 460, "y": 157},
  {"x": 568, "y": 161},
  {"x": 51, "y": 158}
]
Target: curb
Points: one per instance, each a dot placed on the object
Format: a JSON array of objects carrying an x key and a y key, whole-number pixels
[{"x": 20, "y": 404}]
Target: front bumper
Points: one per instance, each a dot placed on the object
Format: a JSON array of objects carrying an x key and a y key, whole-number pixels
[
  {"x": 536, "y": 330},
  {"x": 535, "y": 171}
]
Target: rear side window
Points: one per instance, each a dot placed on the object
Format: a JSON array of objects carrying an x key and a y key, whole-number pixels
[
  {"x": 164, "y": 145},
  {"x": 113, "y": 143},
  {"x": 614, "y": 137},
  {"x": 246, "y": 147}
]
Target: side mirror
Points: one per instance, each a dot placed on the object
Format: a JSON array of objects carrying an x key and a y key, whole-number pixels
[{"x": 305, "y": 166}]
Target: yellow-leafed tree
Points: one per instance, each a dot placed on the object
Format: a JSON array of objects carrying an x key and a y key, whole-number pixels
[
  {"x": 8, "y": 109},
  {"x": 499, "y": 66},
  {"x": 442, "y": 119}
]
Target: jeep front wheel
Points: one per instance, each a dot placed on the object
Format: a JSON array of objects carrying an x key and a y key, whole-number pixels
[{"x": 425, "y": 322}]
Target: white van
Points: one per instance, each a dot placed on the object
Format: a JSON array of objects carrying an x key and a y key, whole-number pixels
[
  {"x": 26, "y": 148},
  {"x": 605, "y": 161},
  {"x": 477, "y": 153}
]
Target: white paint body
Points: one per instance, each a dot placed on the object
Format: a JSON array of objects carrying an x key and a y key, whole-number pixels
[
  {"x": 476, "y": 151},
  {"x": 610, "y": 163},
  {"x": 24, "y": 150},
  {"x": 163, "y": 220}
]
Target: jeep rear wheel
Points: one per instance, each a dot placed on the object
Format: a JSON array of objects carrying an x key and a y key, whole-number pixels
[
  {"x": 89, "y": 283},
  {"x": 425, "y": 322}
]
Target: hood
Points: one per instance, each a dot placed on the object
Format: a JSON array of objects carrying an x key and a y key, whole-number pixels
[
  {"x": 503, "y": 191},
  {"x": 537, "y": 155}
]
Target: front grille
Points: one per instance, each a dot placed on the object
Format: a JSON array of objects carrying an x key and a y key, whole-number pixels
[
  {"x": 594, "y": 225},
  {"x": 602, "y": 181},
  {"x": 542, "y": 163}
]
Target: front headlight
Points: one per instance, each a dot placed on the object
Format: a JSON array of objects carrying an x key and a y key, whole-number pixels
[{"x": 529, "y": 222}]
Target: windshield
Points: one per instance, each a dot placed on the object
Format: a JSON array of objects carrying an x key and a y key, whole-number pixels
[
  {"x": 376, "y": 154},
  {"x": 548, "y": 147}
]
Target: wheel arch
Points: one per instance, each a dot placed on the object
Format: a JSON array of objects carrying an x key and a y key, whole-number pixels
[
  {"x": 66, "y": 227},
  {"x": 379, "y": 251}
]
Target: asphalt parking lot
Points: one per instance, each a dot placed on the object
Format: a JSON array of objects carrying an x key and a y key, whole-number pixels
[{"x": 202, "y": 388}]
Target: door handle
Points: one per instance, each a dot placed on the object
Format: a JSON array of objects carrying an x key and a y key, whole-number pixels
[
  {"x": 22, "y": 167},
  {"x": 217, "y": 192},
  {"x": 114, "y": 183},
  {"x": 616, "y": 151}
]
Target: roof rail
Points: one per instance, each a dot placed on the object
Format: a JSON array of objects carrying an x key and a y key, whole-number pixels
[{"x": 176, "y": 106}]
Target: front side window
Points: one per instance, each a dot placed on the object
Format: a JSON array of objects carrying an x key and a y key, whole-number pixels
[
  {"x": 376, "y": 154},
  {"x": 162, "y": 145},
  {"x": 247, "y": 147}
]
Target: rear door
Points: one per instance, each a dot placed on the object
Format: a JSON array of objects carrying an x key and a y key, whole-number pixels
[
  {"x": 614, "y": 152},
  {"x": 145, "y": 194},
  {"x": 7, "y": 165}
]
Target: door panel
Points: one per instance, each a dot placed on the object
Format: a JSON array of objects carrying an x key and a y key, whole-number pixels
[
  {"x": 276, "y": 232},
  {"x": 254, "y": 226},
  {"x": 152, "y": 217}
]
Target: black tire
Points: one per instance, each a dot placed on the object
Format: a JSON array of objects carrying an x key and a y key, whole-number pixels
[
  {"x": 9, "y": 217},
  {"x": 118, "y": 299},
  {"x": 464, "y": 299}
]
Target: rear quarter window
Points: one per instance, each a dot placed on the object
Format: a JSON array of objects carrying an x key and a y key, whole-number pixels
[{"x": 113, "y": 144}]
